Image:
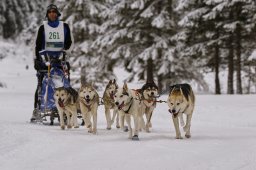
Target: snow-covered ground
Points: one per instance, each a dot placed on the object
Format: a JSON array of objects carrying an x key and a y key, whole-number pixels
[{"x": 223, "y": 133}]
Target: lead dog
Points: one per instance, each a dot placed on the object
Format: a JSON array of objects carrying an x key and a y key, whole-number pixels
[
  {"x": 66, "y": 103},
  {"x": 181, "y": 100},
  {"x": 129, "y": 107},
  {"x": 89, "y": 102},
  {"x": 109, "y": 104},
  {"x": 149, "y": 92}
]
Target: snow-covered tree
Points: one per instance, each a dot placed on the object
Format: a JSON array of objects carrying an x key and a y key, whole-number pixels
[
  {"x": 136, "y": 31},
  {"x": 16, "y": 15},
  {"x": 219, "y": 28},
  {"x": 84, "y": 18},
  {"x": 196, "y": 41}
]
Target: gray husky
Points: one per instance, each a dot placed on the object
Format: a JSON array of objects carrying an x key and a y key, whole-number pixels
[
  {"x": 66, "y": 103},
  {"x": 129, "y": 107},
  {"x": 89, "y": 102},
  {"x": 109, "y": 104}
]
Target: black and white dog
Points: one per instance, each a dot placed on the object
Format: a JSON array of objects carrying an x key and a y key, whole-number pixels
[{"x": 149, "y": 92}]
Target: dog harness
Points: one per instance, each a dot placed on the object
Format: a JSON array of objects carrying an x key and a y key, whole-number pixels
[{"x": 127, "y": 111}]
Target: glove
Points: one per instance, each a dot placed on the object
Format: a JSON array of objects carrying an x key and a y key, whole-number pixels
[
  {"x": 47, "y": 63},
  {"x": 37, "y": 64}
]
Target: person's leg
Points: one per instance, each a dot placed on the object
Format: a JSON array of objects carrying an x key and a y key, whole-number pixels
[
  {"x": 37, "y": 102},
  {"x": 36, "y": 98}
]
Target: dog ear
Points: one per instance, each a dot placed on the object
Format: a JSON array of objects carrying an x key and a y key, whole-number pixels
[
  {"x": 81, "y": 85},
  {"x": 110, "y": 82},
  {"x": 114, "y": 81},
  {"x": 181, "y": 92},
  {"x": 171, "y": 88},
  {"x": 125, "y": 87},
  {"x": 92, "y": 83},
  {"x": 154, "y": 85}
]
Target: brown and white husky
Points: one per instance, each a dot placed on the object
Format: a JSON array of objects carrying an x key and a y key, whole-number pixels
[{"x": 181, "y": 100}]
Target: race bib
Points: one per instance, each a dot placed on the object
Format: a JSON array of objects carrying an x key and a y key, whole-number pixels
[{"x": 54, "y": 37}]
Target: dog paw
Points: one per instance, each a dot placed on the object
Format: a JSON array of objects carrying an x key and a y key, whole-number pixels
[
  {"x": 62, "y": 127},
  {"x": 179, "y": 137},
  {"x": 187, "y": 135},
  {"x": 125, "y": 129},
  {"x": 76, "y": 126},
  {"x": 117, "y": 126},
  {"x": 90, "y": 130},
  {"x": 135, "y": 137},
  {"x": 108, "y": 128},
  {"x": 69, "y": 126},
  {"x": 147, "y": 129}
]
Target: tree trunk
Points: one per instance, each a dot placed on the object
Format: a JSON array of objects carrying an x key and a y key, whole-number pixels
[
  {"x": 216, "y": 65},
  {"x": 250, "y": 79},
  {"x": 238, "y": 61},
  {"x": 83, "y": 75},
  {"x": 150, "y": 67},
  {"x": 159, "y": 83},
  {"x": 231, "y": 67},
  {"x": 160, "y": 78}
]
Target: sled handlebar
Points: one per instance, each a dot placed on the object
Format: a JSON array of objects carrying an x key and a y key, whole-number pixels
[{"x": 49, "y": 55}]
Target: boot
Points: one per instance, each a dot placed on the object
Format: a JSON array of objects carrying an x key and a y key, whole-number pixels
[{"x": 34, "y": 115}]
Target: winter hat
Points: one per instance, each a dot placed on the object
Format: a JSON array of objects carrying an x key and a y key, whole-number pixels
[{"x": 52, "y": 6}]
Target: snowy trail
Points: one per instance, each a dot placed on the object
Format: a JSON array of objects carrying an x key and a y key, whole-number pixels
[{"x": 223, "y": 134}]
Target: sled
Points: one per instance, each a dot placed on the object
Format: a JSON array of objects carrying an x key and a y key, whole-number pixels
[{"x": 56, "y": 76}]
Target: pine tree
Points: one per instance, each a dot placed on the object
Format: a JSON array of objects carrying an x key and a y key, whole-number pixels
[
  {"x": 197, "y": 42},
  {"x": 84, "y": 17},
  {"x": 134, "y": 32},
  {"x": 220, "y": 28},
  {"x": 16, "y": 16}
]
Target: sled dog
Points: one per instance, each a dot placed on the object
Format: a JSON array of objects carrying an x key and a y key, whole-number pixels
[
  {"x": 66, "y": 103},
  {"x": 128, "y": 107},
  {"x": 109, "y": 104},
  {"x": 149, "y": 92},
  {"x": 89, "y": 102},
  {"x": 181, "y": 100}
]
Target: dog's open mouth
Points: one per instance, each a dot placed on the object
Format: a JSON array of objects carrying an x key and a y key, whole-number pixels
[
  {"x": 112, "y": 94},
  {"x": 152, "y": 96},
  {"x": 121, "y": 106},
  {"x": 61, "y": 103},
  {"x": 174, "y": 114},
  {"x": 87, "y": 100}
]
